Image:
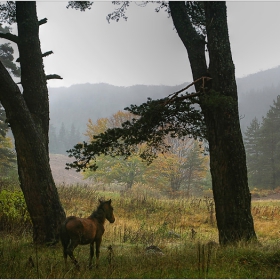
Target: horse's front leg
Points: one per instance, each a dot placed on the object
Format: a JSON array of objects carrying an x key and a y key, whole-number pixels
[
  {"x": 91, "y": 253},
  {"x": 97, "y": 244}
]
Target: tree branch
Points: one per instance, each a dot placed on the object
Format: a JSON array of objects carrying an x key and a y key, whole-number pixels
[
  {"x": 47, "y": 53},
  {"x": 53, "y": 76},
  {"x": 43, "y": 21},
  {"x": 175, "y": 94},
  {"x": 43, "y": 55},
  {"x": 10, "y": 37}
]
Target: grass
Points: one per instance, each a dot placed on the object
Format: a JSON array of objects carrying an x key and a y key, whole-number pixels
[{"x": 184, "y": 229}]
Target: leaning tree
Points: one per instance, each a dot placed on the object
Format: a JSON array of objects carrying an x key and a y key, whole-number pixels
[
  {"x": 202, "y": 27},
  {"x": 28, "y": 116}
]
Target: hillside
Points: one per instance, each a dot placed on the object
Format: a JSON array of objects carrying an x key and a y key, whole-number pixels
[
  {"x": 60, "y": 174},
  {"x": 76, "y": 104}
]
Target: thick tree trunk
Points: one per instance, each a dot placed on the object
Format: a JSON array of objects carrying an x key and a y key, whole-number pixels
[
  {"x": 28, "y": 116},
  {"x": 220, "y": 109}
]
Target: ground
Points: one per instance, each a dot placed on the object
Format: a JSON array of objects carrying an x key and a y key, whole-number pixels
[
  {"x": 272, "y": 196},
  {"x": 60, "y": 174}
]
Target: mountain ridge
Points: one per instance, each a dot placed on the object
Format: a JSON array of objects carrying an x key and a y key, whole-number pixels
[{"x": 80, "y": 102}]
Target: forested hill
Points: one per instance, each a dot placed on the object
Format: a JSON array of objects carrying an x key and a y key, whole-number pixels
[
  {"x": 256, "y": 94},
  {"x": 73, "y": 106},
  {"x": 76, "y": 104}
]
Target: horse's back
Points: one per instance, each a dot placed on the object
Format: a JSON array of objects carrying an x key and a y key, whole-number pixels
[{"x": 84, "y": 229}]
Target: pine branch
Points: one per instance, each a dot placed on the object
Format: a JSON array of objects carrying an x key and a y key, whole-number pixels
[{"x": 173, "y": 115}]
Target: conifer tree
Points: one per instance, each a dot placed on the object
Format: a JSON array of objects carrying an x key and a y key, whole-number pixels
[
  {"x": 269, "y": 145},
  {"x": 251, "y": 142}
]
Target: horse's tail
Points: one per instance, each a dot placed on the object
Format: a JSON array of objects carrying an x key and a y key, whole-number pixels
[{"x": 64, "y": 235}]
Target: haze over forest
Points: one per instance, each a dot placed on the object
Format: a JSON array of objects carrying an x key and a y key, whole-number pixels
[{"x": 73, "y": 106}]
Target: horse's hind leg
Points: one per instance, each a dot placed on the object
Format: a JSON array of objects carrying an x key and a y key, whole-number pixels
[
  {"x": 91, "y": 253},
  {"x": 65, "y": 255},
  {"x": 71, "y": 255}
]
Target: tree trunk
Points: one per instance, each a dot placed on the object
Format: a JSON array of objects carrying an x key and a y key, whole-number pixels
[
  {"x": 28, "y": 116},
  {"x": 220, "y": 109}
]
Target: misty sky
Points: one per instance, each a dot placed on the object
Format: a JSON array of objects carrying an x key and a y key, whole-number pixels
[{"x": 146, "y": 49}]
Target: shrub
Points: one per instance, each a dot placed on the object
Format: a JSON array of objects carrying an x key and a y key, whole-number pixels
[{"x": 13, "y": 210}]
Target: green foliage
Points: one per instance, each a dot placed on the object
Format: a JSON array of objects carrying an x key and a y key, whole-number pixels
[
  {"x": 118, "y": 170},
  {"x": 13, "y": 209},
  {"x": 215, "y": 100}
]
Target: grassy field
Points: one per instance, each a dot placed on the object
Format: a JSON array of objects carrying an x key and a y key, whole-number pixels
[{"x": 183, "y": 229}]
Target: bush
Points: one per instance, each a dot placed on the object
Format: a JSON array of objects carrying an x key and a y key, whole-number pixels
[{"x": 13, "y": 211}]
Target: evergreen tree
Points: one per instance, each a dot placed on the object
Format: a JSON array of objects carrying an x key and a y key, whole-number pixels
[
  {"x": 252, "y": 142},
  {"x": 73, "y": 137},
  {"x": 262, "y": 142},
  {"x": 53, "y": 146},
  {"x": 269, "y": 144},
  {"x": 62, "y": 139},
  {"x": 195, "y": 167}
]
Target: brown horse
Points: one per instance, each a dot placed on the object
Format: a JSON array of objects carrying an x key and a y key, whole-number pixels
[{"x": 82, "y": 231}]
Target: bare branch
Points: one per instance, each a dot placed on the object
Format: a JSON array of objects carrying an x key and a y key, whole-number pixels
[
  {"x": 10, "y": 37},
  {"x": 53, "y": 76},
  {"x": 43, "y": 21},
  {"x": 175, "y": 94},
  {"x": 47, "y": 53},
  {"x": 43, "y": 55}
]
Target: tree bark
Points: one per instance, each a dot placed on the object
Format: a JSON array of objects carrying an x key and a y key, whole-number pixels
[
  {"x": 28, "y": 116},
  {"x": 220, "y": 109}
]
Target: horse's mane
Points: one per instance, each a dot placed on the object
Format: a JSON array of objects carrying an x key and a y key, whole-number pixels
[{"x": 98, "y": 214}]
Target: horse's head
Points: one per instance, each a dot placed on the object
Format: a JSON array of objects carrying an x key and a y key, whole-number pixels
[{"x": 108, "y": 209}]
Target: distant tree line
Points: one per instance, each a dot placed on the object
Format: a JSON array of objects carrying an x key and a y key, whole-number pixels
[
  {"x": 63, "y": 139},
  {"x": 262, "y": 143},
  {"x": 184, "y": 167}
]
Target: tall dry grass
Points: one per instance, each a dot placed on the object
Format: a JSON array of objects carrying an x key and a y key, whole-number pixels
[{"x": 183, "y": 230}]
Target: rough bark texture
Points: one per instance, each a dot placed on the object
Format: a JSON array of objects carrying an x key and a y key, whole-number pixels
[
  {"x": 220, "y": 109},
  {"x": 28, "y": 116}
]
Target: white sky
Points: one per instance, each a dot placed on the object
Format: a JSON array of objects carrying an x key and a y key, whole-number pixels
[{"x": 146, "y": 49}]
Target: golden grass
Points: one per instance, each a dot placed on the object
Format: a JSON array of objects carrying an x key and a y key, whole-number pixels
[{"x": 180, "y": 227}]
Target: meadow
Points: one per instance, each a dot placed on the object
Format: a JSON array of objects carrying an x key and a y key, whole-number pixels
[{"x": 153, "y": 236}]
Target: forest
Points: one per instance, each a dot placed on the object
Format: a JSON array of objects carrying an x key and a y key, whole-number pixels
[{"x": 188, "y": 185}]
